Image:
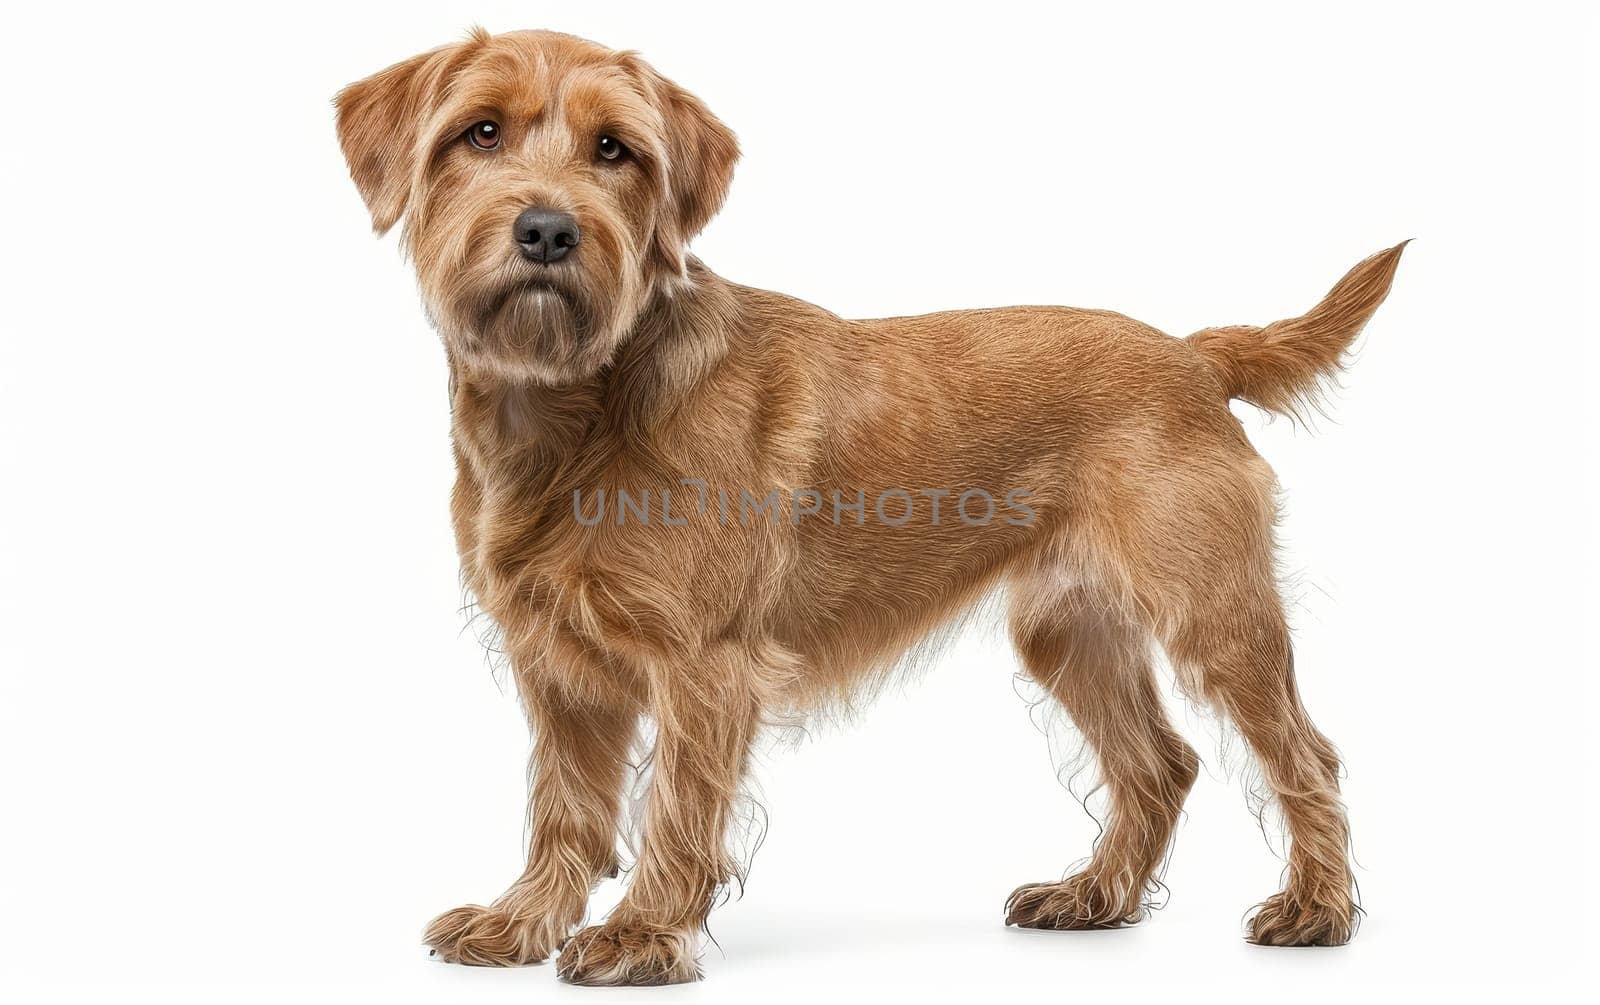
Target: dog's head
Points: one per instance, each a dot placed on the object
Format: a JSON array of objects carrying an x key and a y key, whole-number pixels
[{"x": 549, "y": 186}]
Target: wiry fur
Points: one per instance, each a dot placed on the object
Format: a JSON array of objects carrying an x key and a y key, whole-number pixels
[
  {"x": 1281, "y": 367},
  {"x": 630, "y": 365}
]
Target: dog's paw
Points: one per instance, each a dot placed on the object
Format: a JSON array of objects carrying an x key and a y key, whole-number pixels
[
  {"x": 1283, "y": 920},
  {"x": 1075, "y": 903},
  {"x": 492, "y": 937},
  {"x": 620, "y": 953}
]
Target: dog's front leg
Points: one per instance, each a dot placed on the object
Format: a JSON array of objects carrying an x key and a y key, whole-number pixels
[
  {"x": 579, "y": 760},
  {"x": 706, "y": 711}
]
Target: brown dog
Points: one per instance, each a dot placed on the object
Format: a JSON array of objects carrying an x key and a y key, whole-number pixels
[{"x": 704, "y": 504}]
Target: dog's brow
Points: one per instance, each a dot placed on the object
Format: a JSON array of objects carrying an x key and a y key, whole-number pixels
[
  {"x": 514, "y": 81},
  {"x": 604, "y": 97}
]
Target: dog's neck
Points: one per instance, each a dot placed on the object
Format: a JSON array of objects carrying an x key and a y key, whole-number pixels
[{"x": 678, "y": 340}]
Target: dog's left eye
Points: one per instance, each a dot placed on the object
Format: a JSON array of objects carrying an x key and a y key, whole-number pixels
[
  {"x": 485, "y": 135},
  {"x": 610, "y": 148}
]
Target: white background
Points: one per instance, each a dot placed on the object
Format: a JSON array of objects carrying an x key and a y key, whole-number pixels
[{"x": 248, "y": 751}]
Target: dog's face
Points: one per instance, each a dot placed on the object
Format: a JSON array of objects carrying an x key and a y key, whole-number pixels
[{"x": 549, "y": 186}]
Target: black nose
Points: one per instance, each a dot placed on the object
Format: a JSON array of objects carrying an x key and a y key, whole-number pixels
[{"x": 546, "y": 235}]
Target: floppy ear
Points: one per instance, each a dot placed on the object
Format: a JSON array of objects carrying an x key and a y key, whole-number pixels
[
  {"x": 378, "y": 122},
  {"x": 701, "y": 152}
]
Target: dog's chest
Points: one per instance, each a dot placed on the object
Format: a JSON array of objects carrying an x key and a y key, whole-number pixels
[{"x": 567, "y": 597}]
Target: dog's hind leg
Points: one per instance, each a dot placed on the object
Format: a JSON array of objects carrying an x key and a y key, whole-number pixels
[
  {"x": 1237, "y": 643},
  {"x": 1208, "y": 578},
  {"x": 1095, "y": 659}
]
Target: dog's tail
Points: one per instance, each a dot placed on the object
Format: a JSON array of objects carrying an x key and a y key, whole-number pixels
[{"x": 1281, "y": 367}]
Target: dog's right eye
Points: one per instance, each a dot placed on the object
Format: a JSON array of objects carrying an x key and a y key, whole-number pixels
[{"x": 485, "y": 135}]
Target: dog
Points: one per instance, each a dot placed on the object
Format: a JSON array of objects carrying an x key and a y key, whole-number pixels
[{"x": 698, "y": 506}]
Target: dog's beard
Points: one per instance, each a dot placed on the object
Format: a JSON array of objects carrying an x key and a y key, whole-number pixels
[
  {"x": 538, "y": 329},
  {"x": 538, "y": 320}
]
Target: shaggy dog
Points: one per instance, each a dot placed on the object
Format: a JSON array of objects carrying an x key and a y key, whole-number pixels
[{"x": 699, "y": 505}]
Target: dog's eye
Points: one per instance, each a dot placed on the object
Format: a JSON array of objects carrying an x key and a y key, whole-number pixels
[
  {"x": 485, "y": 135},
  {"x": 611, "y": 148}
]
